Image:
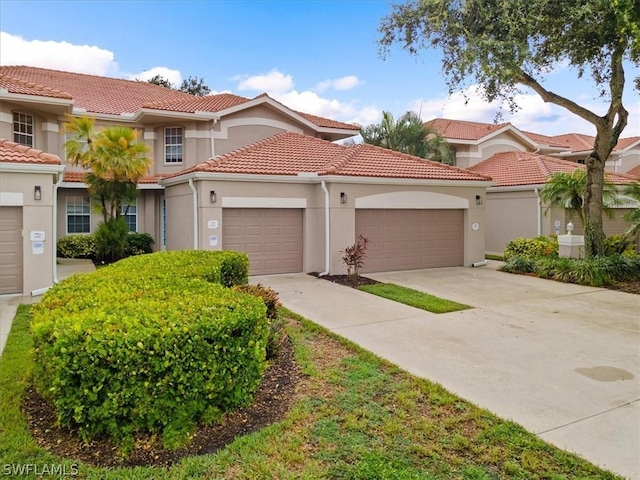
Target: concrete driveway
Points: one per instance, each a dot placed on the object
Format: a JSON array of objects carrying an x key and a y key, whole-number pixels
[{"x": 561, "y": 360}]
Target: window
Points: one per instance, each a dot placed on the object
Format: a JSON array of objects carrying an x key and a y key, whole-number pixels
[
  {"x": 173, "y": 145},
  {"x": 23, "y": 129},
  {"x": 130, "y": 214},
  {"x": 78, "y": 215}
]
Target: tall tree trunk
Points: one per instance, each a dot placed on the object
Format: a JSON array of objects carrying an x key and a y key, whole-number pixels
[{"x": 593, "y": 229}]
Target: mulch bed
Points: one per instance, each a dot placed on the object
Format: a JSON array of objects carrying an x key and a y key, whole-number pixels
[
  {"x": 629, "y": 287},
  {"x": 271, "y": 404},
  {"x": 353, "y": 281}
]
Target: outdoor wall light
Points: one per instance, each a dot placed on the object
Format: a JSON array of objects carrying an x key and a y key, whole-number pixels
[
  {"x": 343, "y": 197},
  {"x": 569, "y": 228},
  {"x": 37, "y": 193},
  {"x": 213, "y": 198},
  {"x": 478, "y": 200}
]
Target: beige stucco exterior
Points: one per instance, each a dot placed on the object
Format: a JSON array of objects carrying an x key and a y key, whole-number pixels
[
  {"x": 514, "y": 212},
  {"x": 308, "y": 195},
  {"x": 17, "y": 184}
]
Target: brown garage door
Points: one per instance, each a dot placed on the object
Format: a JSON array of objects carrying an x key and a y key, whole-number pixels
[
  {"x": 271, "y": 237},
  {"x": 10, "y": 249},
  {"x": 410, "y": 239}
]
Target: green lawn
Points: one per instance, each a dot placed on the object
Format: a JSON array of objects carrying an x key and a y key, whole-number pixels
[
  {"x": 355, "y": 417},
  {"x": 414, "y": 298}
]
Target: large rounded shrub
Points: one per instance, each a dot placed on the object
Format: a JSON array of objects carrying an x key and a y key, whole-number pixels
[{"x": 152, "y": 343}]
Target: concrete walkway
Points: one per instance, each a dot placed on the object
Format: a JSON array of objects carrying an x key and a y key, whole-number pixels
[
  {"x": 9, "y": 303},
  {"x": 561, "y": 360}
]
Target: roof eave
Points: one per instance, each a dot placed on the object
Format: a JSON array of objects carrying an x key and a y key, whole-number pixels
[
  {"x": 26, "y": 98},
  {"x": 312, "y": 177},
  {"x": 24, "y": 167}
]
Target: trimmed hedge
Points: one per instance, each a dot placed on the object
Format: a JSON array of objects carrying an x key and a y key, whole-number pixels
[
  {"x": 151, "y": 343},
  {"x": 531, "y": 247},
  {"x": 84, "y": 246},
  {"x": 76, "y": 246}
]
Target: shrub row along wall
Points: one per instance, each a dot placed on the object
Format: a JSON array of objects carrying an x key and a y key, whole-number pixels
[{"x": 152, "y": 343}]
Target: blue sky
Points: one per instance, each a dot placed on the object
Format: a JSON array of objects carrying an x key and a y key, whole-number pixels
[{"x": 317, "y": 56}]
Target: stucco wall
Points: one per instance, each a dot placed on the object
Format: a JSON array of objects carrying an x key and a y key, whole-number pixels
[
  {"x": 37, "y": 215},
  {"x": 342, "y": 229}
]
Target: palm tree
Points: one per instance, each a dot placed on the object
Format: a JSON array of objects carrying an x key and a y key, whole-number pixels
[
  {"x": 115, "y": 161},
  {"x": 567, "y": 190},
  {"x": 409, "y": 135}
]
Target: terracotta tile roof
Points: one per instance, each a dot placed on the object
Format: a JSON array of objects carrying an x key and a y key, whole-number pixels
[
  {"x": 576, "y": 142},
  {"x": 15, "y": 85},
  {"x": 545, "y": 139},
  {"x": 626, "y": 142},
  {"x": 210, "y": 103},
  {"x": 463, "y": 130},
  {"x": 115, "y": 96},
  {"x": 13, "y": 152},
  {"x": 328, "y": 123},
  {"x": 635, "y": 172},
  {"x": 523, "y": 168},
  {"x": 96, "y": 94},
  {"x": 78, "y": 176},
  {"x": 291, "y": 153}
]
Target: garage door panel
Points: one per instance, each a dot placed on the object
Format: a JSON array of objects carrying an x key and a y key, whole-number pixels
[
  {"x": 272, "y": 238},
  {"x": 412, "y": 238},
  {"x": 11, "y": 259}
]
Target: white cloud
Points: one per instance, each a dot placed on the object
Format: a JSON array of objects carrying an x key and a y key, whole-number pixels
[
  {"x": 280, "y": 87},
  {"x": 342, "y": 83},
  {"x": 534, "y": 115},
  {"x": 174, "y": 76},
  {"x": 15, "y": 50},
  {"x": 272, "y": 82}
]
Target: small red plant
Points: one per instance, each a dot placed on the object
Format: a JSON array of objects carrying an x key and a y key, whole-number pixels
[{"x": 353, "y": 255}]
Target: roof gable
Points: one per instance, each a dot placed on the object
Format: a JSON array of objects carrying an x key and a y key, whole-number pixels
[{"x": 13, "y": 152}]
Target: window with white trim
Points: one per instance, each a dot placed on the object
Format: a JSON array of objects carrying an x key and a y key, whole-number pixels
[
  {"x": 130, "y": 214},
  {"x": 173, "y": 143},
  {"x": 79, "y": 214},
  {"x": 23, "y": 127}
]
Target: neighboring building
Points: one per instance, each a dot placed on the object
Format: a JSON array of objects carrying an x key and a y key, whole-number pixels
[
  {"x": 184, "y": 132},
  {"x": 514, "y": 208},
  {"x": 474, "y": 142},
  {"x": 27, "y": 228}
]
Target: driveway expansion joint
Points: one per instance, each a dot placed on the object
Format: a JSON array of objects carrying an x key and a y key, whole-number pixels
[{"x": 631, "y": 402}]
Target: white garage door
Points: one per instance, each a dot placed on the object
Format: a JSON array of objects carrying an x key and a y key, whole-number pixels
[
  {"x": 271, "y": 237},
  {"x": 10, "y": 250},
  {"x": 411, "y": 239}
]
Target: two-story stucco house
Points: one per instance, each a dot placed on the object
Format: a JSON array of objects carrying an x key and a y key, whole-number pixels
[{"x": 231, "y": 173}]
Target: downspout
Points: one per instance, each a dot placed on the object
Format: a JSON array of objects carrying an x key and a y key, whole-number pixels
[
  {"x": 327, "y": 237},
  {"x": 539, "y": 210},
  {"x": 54, "y": 229},
  {"x": 195, "y": 214}
]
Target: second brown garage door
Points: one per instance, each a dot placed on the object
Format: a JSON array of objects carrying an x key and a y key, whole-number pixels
[
  {"x": 411, "y": 239},
  {"x": 271, "y": 237}
]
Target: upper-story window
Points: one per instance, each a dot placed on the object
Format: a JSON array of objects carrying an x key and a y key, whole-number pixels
[
  {"x": 23, "y": 129},
  {"x": 173, "y": 145}
]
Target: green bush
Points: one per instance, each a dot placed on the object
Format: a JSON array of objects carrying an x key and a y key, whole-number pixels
[
  {"x": 76, "y": 246},
  {"x": 276, "y": 324},
  {"x": 150, "y": 343},
  {"x": 531, "y": 247},
  {"x": 138, "y": 244},
  {"x": 595, "y": 272},
  {"x": 111, "y": 240},
  {"x": 622, "y": 244}
]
